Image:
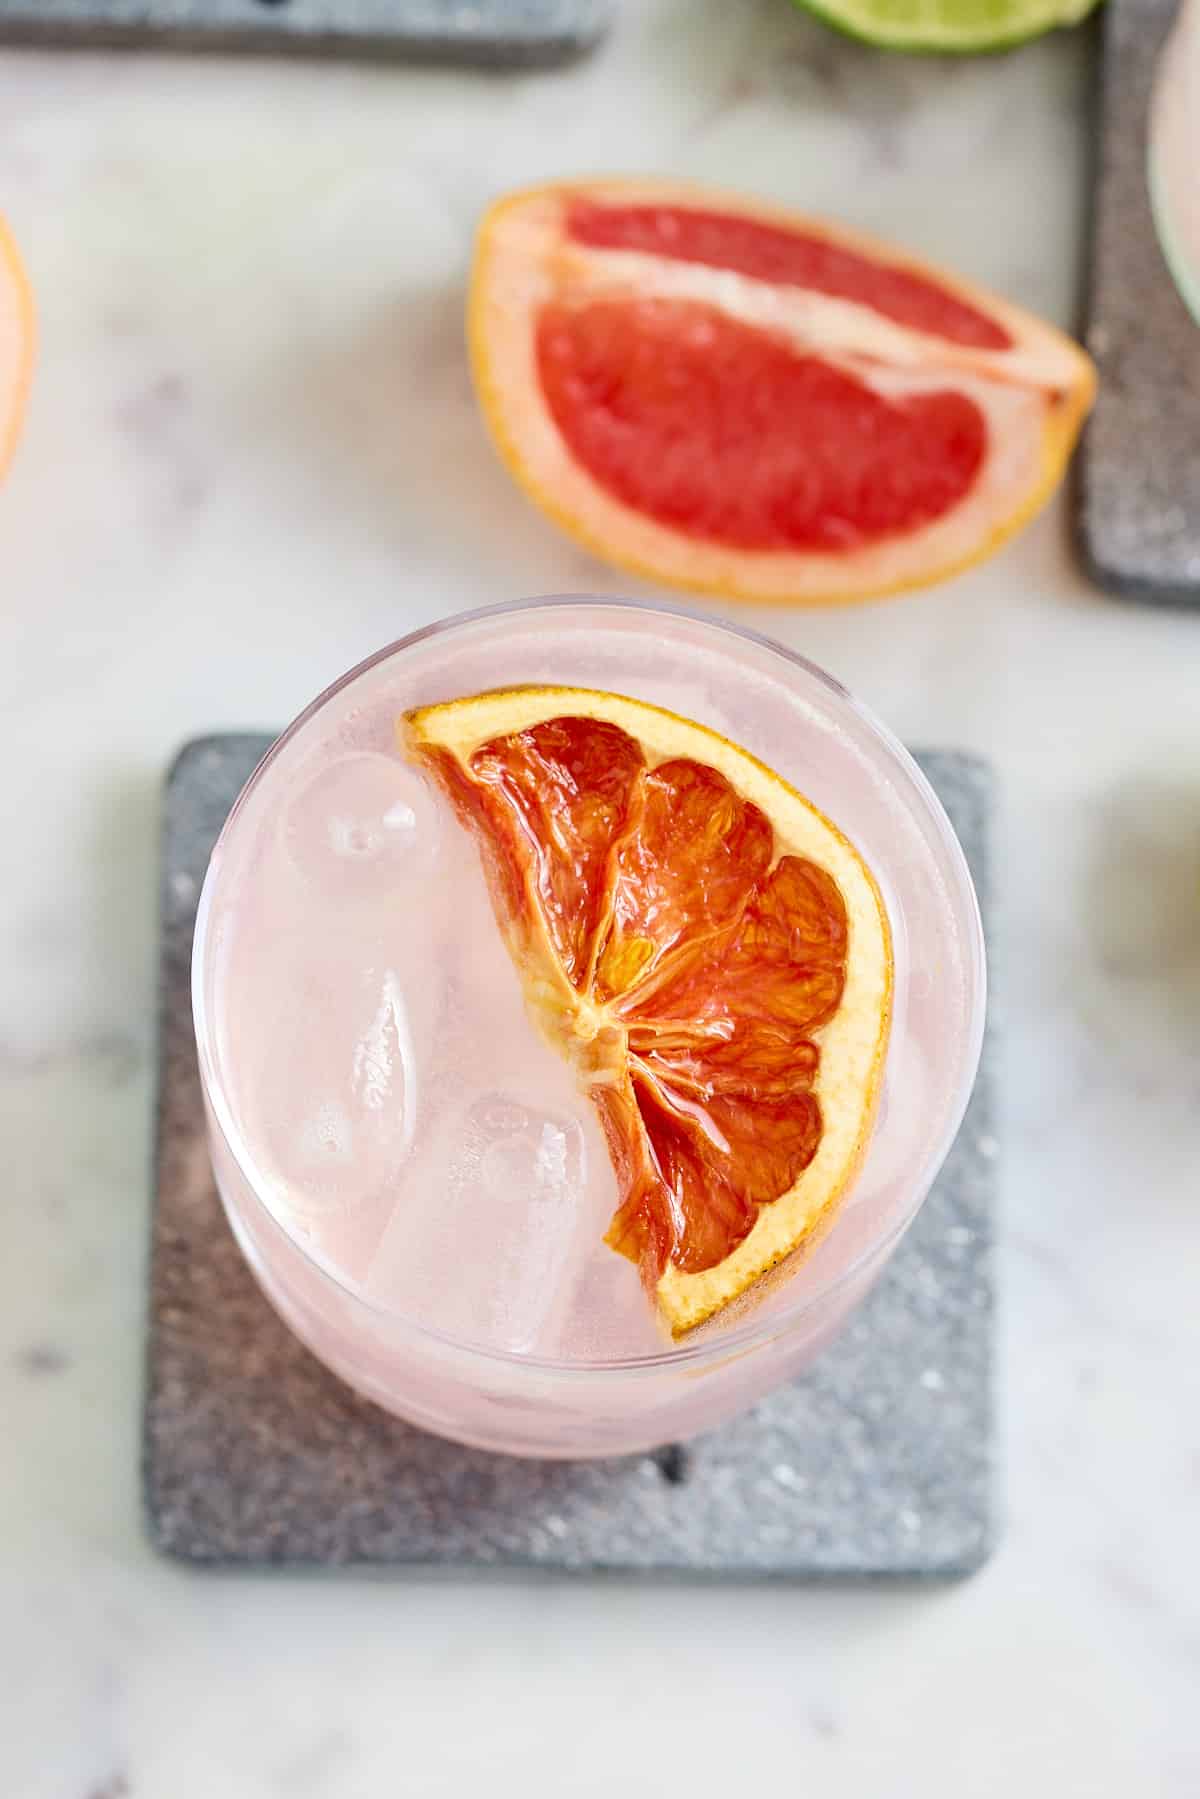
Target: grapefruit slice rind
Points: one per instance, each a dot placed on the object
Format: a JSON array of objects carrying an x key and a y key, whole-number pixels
[
  {"x": 730, "y": 398},
  {"x": 706, "y": 947}
]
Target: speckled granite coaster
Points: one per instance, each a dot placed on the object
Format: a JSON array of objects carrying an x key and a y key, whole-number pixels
[
  {"x": 878, "y": 1462},
  {"x": 482, "y": 31},
  {"x": 1139, "y": 488}
]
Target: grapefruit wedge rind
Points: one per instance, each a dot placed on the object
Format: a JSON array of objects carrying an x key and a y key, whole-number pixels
[
  {"x": 730, "y": 398},
  {"x": 710, "y": 952},
  {"x": 16, "y": 344}
]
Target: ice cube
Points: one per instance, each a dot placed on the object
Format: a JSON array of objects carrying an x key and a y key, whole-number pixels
[
  {"x": 523, "y": 1153},
  {"x": 608, "y": 1315},
  {"x": 362, "y": 822},
  {"x": 337, "y": 1088},
  {"x": 383, "y": 1076},
  {"x": 492, "y": 1225},
  {"x": 332, "y": 1085},
  {"x": 324, "y": 1142}
]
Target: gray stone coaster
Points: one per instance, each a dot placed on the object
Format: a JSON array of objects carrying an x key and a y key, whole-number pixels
[
  {"x": 1139, "y": 492},
  {"x": 878, "y": 1462},
  {"x": 482, "y": 31}
]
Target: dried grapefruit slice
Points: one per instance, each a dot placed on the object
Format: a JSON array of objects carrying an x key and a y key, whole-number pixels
[
  {"x": 731, "y": 398},
  {"x": 16, "y": 343},
  {"x": 709, "y": 951}
]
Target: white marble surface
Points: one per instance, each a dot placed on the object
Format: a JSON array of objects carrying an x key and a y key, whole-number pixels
[{"x": 252, "y": 457}]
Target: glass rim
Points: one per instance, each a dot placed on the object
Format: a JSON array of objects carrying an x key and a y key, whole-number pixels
[{"x": 720, "y": 1344}]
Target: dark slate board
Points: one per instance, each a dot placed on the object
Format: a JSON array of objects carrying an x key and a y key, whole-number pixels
[
  {"x": 1139, "y": 472},
  {"x": 480, "y": 31},
  {"x": 877, "y": 1462}
]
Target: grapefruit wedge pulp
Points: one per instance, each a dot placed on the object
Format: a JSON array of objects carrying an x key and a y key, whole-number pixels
[
  {"x": 730, "y": 398},
  {"x": 708, "y": 950},
  {"x": 16, "y": 343}
]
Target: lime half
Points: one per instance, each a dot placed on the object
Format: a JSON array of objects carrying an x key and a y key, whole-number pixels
[{"x": 947, "y": 26}]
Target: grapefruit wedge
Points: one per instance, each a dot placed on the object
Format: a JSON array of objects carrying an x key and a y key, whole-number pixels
[
  {"x": 733, "y": 399},
  {"x": 16, "y": 343},
  {"x": 708, "y": 950}
]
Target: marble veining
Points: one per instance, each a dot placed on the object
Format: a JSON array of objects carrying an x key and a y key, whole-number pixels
[{"x": 287, "y": 247}]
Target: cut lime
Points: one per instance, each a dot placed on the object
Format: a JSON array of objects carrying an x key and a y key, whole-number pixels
[{"x": 947, "y": 27}]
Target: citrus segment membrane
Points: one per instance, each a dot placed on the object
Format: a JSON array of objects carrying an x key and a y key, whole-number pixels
[
  {"x": 788, "y": 257},
  {"x": 558, "y": 797},
  {"x": 731, "y": 398},
  {"x": 688, "y": 931}
]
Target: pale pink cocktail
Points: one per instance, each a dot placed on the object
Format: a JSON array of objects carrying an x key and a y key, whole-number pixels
[{"x": 415, "y": 1178}]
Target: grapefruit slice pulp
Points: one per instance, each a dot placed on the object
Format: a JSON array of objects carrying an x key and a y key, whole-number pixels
[
  {"x": 727, "y": 397},
  {"x": 16, "y": 343},
  {"x": 709, "y": 951}
]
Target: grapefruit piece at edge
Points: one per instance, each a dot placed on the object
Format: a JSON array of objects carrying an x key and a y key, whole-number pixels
[{"x": 16, "y": 343}]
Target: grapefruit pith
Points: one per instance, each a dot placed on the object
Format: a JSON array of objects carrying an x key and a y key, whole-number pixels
[
  {"x": 708, "y": 950},
  {"x": 16, "y": 343},
  {"x": 734, "y": 399}
]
